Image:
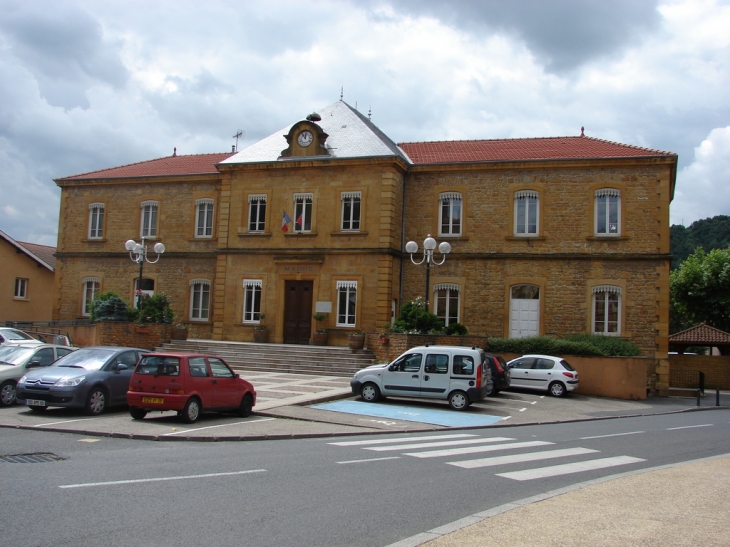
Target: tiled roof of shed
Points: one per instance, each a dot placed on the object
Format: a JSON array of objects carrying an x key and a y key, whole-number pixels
[
  {"x": 701, "y": 335},
  {"x": 193, "y": 164},
  {"x": 548, "y": 148}
]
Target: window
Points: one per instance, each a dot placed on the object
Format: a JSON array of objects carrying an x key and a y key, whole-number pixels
[
  {"x": 447, "y": 302},
  {"x": 197, "y": 367},
  {"x": 252, "y": 301},
  {"x": 608, "y": 212},
  {"x": 21, "y": 288},
  {"x": 526, "y": 213},
  {"x": 90, "y": 289},
  {"x": 96, "y": 220},
  {"x": 463, "y": 364},
  {"x": 148, "y": 226},
  {"x": 407, "y": 363},
  {"x": 199, "y": 300},
  {"x": 351, "y": 211},
  {"x": 346, "y": 303},
  {"x": 437, "y": 364},
  {"x": 450, "y": 214},
  {"x": 606, "y": 310},
  {"x": 219, "y": 368},
  {"x": 303, "y": 212},
  {"x": 256, "y": 212},
  {"x": 204, "y": 217}
]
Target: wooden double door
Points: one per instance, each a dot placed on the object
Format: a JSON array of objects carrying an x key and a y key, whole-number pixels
[{"x": 297, "y": 311}]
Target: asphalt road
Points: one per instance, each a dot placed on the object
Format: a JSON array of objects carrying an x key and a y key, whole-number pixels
[{"x": 122, "y": 492}]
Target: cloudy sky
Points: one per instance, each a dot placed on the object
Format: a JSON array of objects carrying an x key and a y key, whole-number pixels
[{"x": 86, "y": 84}]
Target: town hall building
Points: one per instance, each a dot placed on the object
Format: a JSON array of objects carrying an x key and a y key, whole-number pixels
[{"x": 548, "y": 236}]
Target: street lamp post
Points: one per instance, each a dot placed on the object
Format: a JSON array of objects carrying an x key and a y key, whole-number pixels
[
  {"x": 429, "y": 244},
  {"x": 138, "y": 254}
]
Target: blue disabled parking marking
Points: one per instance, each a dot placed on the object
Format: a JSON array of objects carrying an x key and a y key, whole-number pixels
[{"x": 447, "y": 418}]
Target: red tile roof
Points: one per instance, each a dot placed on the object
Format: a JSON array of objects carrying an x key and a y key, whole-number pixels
[
  {"x": 701, "y": 335},
  {"x": 549, "y": 148},
  {"x": 193, "y": 164},
  {"x": 44, "y": 252}
]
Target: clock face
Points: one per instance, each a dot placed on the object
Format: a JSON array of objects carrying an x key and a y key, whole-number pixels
[{"x": 305, "y": 138}]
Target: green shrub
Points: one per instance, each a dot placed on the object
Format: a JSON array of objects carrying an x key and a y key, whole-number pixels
[
  {"x": 588, "y": 344},
  {"x": 414, "y": 319},
  {"x": 109, "y": 306},
  {"x": 456, "y": 329},
  {"x": 155, "y": 309}
]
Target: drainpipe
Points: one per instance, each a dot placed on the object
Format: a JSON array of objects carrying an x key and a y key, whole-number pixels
[{"x": 403, "y": 237}]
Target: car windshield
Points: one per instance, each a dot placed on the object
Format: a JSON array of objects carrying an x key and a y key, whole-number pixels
[
  {"x": 566, "y": 365},
  {"x": 12, "y": 334},
  {"x": 90, "y": 359},
  {"x": 15, "y": 356},
  {"x": 159, "y": 365}
]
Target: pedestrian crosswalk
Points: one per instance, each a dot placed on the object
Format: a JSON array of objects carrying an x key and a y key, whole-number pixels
[{"x": 453, "y": 446}]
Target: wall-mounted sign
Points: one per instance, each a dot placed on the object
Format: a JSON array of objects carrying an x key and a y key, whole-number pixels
[{"x": 323, "y": 307}]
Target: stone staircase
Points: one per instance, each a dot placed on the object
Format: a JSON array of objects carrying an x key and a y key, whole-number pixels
[{"x": 291, "y": 358}]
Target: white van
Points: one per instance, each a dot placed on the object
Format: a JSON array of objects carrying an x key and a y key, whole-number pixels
[{"x": 453, "y": 373}]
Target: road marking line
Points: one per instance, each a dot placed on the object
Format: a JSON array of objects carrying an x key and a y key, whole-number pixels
[
  {"x": 475, "y": 449},
  {"x": 401, "y": 439},
  {"x": 431, "y": 445},
  {"x": 519, "y": 458},
  {"x": 159, "y": 479},
  {"x": 372, "y": 460},
  {"x": 533, "y": 403},
  {"x": 63, "y": 422},
  {"x": 689, "y": 427},
  {"x": 221, "y": 425},
  {"x": 612, "y": 435},
  {"x": 568, "y": 468},
  {"x": 522, "y": 409}
]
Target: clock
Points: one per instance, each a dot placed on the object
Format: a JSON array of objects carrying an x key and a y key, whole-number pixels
[{"x": 305, "y": 138}]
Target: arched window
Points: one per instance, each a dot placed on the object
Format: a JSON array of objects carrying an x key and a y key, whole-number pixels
[
  {"x": 607, "y": 310},
  {"x": 199, "y": 300},
  {"x": 608, "y": 212},
  {"x": 450, "y": 207},
  {"x": 527, "y": 213},
  {"x": 448, "y": 302},
  {"x": 204, "y": 217}
]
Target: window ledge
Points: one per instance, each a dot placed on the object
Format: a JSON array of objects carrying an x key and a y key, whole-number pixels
[
  {"x": 525, "y": 238},
  {"x": 300, "y": 234},
  {"x": 199, "y": 322},
  {"x": 94, "y": 240},
  {"x": 21, "y": 299},
  {"x": 347, "y": 234},
  {"x": 245, "y": 233},
  {"x": 607, "y": 238},
  {"x": 453, "y": 238}
]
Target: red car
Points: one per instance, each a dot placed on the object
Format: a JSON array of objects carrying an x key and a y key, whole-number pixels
[{"x": 189, "y": 383}]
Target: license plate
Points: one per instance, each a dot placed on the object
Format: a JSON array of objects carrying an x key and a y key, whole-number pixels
[
  {"x": 153, "y": 400},
  {"x": 34, "y": 402}
]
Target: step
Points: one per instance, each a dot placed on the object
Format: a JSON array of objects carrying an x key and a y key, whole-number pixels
[{"x": 289, "y": 358}]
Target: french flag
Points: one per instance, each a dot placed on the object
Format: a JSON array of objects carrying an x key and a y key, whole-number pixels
[{"x": 285, "y": 222}]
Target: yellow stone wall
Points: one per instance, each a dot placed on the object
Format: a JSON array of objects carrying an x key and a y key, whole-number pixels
[{"x": 38, "y": 305}]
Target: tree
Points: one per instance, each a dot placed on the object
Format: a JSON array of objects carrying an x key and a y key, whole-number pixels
[{"x": 700, "y": 291}]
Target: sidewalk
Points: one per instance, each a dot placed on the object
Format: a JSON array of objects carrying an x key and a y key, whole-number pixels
[{"x": 681, "y": 505}]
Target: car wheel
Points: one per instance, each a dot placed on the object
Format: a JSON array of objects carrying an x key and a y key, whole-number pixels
[
  {"x": 7, "y": 393},
  {"x": 458, "y": 400},
  {"x": 244, "y": 411},
  {"x": 557, "y": 389},
  {"x": 137, "y": 413},
  {"x": 96, "y": 402},
  {"x": 191, "y": 412},
  {"x": 370, "y": 392},
  {"x": 491, "y": 392}
]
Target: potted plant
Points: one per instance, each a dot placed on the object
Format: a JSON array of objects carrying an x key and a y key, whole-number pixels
[
  {"x": 180, "y": 332},
  {"x": 356, "y": 340},
  {"x": 384, "y": 336},
  {"x": 319, "y": 338},
  {"x": 260, "y": 332}
]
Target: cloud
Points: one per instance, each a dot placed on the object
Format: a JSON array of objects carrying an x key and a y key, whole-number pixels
[
  {"x": 703, "y": 187},
  {"x": 63, "y": 47},
  {"x": 561, "y": 34}
]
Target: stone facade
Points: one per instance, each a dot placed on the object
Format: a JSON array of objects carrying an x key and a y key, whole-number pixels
[{"x": 400, "y": 200}]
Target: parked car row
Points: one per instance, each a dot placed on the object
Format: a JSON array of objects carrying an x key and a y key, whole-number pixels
[
  {"x": 96, "y": 378},
  {"x": 461, "y": 375}
]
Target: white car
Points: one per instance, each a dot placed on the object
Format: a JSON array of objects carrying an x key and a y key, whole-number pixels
[
  {"x": 459, "y": 375},
  {"x": 543, "y": 372},
  {"x": 10, "y": 336},
  {"x": 17, "y": 360}
]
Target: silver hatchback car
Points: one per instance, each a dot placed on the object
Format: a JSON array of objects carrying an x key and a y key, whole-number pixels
[{"x": 543, "y": 372}]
